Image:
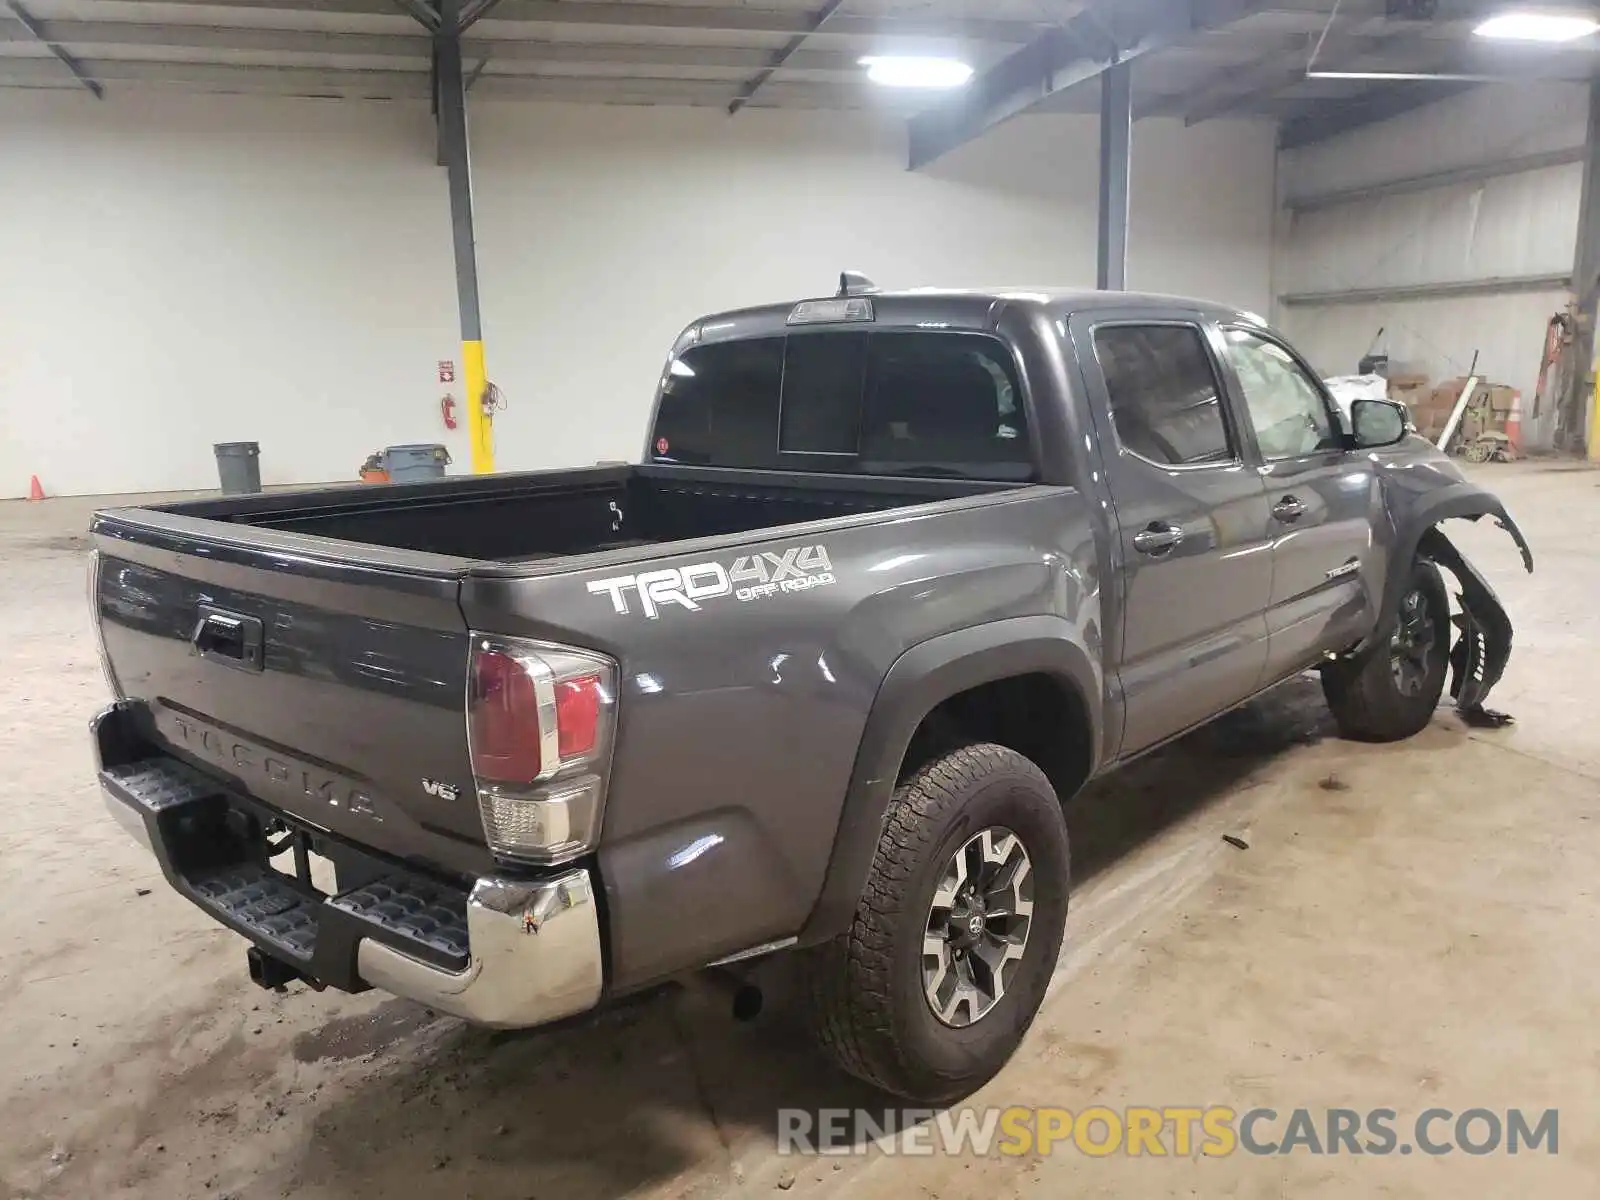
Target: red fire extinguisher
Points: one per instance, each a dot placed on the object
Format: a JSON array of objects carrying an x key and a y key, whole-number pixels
[{"x": 447, "y": 410}]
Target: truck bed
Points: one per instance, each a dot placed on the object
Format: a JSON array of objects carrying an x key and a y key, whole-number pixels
[
  {"x": 312, "y": 647},
  {"x": 544, "y": 515}
]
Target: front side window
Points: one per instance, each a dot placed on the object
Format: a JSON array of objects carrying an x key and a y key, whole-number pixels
[
  {"x": 916, "y": 403},
  {"x": 1165, "y": 402},
  {"x": 1287, "y": 410}
]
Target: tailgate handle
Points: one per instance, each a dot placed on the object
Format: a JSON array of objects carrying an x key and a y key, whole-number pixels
[{"x": 232, "y": 639}]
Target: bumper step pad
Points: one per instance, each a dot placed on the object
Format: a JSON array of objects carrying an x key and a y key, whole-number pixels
[
  {"x": 265, "y": 903},
  {"x": 417, "y": 913},
  {"x": 186, "y": 814},
  {"x": 161, "y": 783}
]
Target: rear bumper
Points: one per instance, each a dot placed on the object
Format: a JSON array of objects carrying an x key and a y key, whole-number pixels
[{"x": 501, "y": 952}]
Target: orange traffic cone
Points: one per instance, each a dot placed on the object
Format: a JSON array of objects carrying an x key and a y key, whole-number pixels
[
  {"x": 1514, "y": 423},
  {"x": 35, "y": 492}
]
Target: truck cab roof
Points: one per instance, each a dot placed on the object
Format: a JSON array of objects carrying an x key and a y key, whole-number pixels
[{"x": 972, "y": 309}]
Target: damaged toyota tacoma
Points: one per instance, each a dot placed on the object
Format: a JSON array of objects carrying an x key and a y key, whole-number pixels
[{"x": 896, "y": 576}]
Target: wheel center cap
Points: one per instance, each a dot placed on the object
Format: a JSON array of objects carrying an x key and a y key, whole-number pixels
[{"x": 968, "y": 924}]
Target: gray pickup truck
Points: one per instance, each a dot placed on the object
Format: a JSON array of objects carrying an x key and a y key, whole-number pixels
[{"x": 897, "y": 574}]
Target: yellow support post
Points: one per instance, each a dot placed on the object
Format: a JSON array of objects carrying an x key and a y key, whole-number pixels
[
  {"x": 451, "y": 97},
  {"x": 1594, "y": 421},
  {"x": 480, "y": 425}
]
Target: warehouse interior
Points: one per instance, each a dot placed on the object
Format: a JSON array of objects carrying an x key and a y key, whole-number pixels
[{"x": 331, "y": 229}]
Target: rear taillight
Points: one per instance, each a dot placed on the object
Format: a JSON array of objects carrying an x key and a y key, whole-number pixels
[{"x": 539, "y": 724}]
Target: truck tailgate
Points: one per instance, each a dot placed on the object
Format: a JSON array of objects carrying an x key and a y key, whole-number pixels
[{"x": 326, "y": 679}]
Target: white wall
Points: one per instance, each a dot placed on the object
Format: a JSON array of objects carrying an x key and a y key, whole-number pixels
[
  {"x": 1516, "y": 225},
  {"x": 178, "y": 272},
  {"x": 183, "y": 270}
]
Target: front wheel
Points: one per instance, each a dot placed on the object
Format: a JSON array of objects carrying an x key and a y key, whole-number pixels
[
  {"x": 957, "y": 932},
  {"x": 1390, "y": 693}
]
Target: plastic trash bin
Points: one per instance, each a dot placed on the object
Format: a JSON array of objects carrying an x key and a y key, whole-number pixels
[
  {"x": 415, "y": 463},
  {"x": 239, "y": 467}
]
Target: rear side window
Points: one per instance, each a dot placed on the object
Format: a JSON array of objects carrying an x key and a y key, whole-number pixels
[
  {"x": 719, "y": 405},
  {"x": 1165, "y": 400},
  {"x": 886, "y": 403}
]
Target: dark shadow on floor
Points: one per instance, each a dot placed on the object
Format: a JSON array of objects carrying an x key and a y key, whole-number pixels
[{"x": 1117, "y": 813}]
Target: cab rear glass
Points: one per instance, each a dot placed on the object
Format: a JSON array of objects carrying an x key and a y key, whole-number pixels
[{"x": 929, "y": 403}]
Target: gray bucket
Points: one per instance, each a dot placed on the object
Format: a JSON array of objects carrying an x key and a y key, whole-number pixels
[
  {"x": 413, "y": 464},
  {"x": 239, "y": 467}
]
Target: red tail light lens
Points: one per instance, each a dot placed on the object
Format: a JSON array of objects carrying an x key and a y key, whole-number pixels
[
  {"x": 540, "y": 719},
  {"x": 578, "y": 703},
  {"x": 503, "y": 719}
]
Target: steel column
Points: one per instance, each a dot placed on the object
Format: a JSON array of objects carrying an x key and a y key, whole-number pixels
[
  {"x": 454, "y": 154},
  {"x": 1580, "y": 414},
  {"x": 1116, "y": 144}
]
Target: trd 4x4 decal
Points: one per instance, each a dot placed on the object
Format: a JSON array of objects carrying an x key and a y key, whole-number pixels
[{"x": 749, "y": 577}]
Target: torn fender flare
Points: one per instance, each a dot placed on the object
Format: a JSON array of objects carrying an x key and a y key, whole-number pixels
[
  {"x": 1463, "y": 501},
  {"x": 1480, "y": 654}
]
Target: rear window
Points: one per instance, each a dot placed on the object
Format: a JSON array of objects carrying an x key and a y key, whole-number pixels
[{"x": 881, "y": 403}]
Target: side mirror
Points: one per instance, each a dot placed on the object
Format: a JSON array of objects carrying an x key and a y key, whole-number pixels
[{"x": 1377, "y": 423}]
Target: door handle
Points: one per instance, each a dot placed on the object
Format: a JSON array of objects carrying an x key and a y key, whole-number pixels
[
  {"x": 1157, "y": 538},
  {"x": 232, "y": 639},
  {"x": 1289, "y": 509}
]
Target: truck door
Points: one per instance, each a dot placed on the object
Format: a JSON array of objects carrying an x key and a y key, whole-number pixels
[
  {"x": 1322, "y": 499},
  {"x": 1193, "y": 559}
]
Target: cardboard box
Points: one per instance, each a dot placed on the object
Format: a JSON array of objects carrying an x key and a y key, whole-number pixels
[{"x": 1502, "y": 399}]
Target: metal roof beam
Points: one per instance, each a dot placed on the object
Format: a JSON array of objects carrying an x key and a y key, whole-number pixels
[
  {"x": 730, "y": 18},
  {"x": 1435, "y": 180},
  {"x": 1080, "y": 49},
  {"x": 25, "y": 72},
  {"x": 782, "y": 56},
  {"x": 1383, "y": 103},
  {"x": 26, "y": 19},
  {"x": 1266, "y": 81},
  {"x": 112, "y": 34},
  {"x": 473, "y": 13},
  {"x": 184, "y": 40},
  {"x": 426, "y": 14},
  {"x": 1444, "y": 290}
]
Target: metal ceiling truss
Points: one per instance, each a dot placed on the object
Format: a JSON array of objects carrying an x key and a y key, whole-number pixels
[
  {"x": 1383, "y": 103},
  {"x": 781, "y": 56},
  {"x": 36, "y": 31},
  {"x": 1101, "y": 34},
  {"x": 708, "y": 17},
  {"x": 424, "y": 12}
]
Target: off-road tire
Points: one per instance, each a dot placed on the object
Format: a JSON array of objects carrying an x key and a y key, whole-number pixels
[
  {"x": 864, "y": 991},
  {"x": 1367, "y": 702}
]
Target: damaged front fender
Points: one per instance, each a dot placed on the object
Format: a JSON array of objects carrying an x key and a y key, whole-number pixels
[
  {"x": 1419, "y": 499},
  {"x": 1480, "y": 654}
]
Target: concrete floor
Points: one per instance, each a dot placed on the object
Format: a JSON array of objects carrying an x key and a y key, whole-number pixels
[{"x": 1412, "y": 926}]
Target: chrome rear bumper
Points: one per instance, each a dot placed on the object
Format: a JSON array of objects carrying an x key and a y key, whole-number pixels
[
  {"x": 509, "y": 953},
  {"x": 535, "y": 956}
]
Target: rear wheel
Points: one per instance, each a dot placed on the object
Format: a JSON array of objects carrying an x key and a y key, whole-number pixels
[
  {"x": 957, "y": 932},
  {"x": 1391, "y": 692}
]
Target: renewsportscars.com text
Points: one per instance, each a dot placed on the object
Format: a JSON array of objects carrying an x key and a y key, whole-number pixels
[{"x": 1173, "y": 1131}]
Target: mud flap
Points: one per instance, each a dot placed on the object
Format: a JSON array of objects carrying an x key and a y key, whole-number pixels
[{"x": 1480, "y": 654}]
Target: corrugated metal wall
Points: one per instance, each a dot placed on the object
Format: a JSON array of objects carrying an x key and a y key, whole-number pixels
[{"x": 1513, "y": 227}]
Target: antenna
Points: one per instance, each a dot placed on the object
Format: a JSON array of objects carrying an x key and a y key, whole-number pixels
[{"x": 854, "y": 283}]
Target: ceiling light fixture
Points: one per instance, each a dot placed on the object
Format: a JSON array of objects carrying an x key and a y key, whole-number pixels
[
  {"x": 1521, "y": 26},
  {"x": 894, "y": 71}
]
